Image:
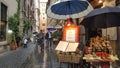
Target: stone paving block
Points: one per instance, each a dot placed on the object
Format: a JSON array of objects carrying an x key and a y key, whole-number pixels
[{"x": 15, "y": 58}]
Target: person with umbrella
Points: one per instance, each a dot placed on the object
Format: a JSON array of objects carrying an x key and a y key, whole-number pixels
[{"x": 48, "y": 37}]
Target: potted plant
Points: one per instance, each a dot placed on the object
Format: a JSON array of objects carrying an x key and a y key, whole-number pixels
[
  {"x": 14, "y": 26},
  {"x": 12, "y": 42}
]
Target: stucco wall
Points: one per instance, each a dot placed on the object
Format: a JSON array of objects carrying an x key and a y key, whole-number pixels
[{"x": 12, "y": 7}]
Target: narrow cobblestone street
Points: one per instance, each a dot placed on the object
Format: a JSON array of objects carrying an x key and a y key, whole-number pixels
[
  {"x": 59, "y": 33},
  {"x": 30, "y": 58}
]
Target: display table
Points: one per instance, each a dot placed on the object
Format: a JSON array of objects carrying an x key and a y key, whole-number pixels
[
  {"x": 99, "y": 62},
  {"x": 99, "y": 53}
]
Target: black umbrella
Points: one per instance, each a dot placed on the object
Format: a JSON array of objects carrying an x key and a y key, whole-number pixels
[{"x": 102, "y": 18}]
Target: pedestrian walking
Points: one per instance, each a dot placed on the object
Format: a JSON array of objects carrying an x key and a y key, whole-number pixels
[
  {"x": 40, "y": 39},
  {"x": 24, "y": 40},
  {"x": 48, "y": 37},
  {"x": 18, "y": 41}
]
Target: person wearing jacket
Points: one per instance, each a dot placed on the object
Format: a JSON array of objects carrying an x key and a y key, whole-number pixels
[
  {"x": 40, "y": 39},
  {"x": 48, "y": 37}
]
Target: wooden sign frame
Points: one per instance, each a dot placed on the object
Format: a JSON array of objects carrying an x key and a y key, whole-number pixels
[{"x": 71, "y": 33}]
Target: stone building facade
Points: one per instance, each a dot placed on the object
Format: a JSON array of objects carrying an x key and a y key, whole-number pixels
[{"x": 6, "y": 10}]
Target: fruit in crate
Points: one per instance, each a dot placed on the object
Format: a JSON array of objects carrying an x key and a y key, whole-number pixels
[
  {"x": 102, "y": 54},
  {"x": 87, "y": 56},
  {"x": 103, "y": 44},
  {"x": 114, "y": 57},
  {"x": 91, "y": 58},
  {"x": 98, "y": 58},
  {"x": 94, "y": 55}
]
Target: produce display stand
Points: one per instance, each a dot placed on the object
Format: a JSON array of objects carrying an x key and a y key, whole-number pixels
[
  {"x": 100, "y": 53},
  {"x": 100, "y": 63}
]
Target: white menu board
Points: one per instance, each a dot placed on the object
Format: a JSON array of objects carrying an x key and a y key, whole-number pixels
[
  {"x": 67, "y": 46},
  {"x": 72, "y": 47},
  {"x": 70, "y": 35},
  {"x": 62, "y": 45}
]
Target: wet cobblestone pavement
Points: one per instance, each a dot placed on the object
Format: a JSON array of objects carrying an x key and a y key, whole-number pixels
[
  {"x": 30, "y": 58},
  {"x": 16, "y": 58}
]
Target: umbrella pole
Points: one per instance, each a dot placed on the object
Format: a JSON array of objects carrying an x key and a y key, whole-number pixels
[{"x": 106, "y": 35}]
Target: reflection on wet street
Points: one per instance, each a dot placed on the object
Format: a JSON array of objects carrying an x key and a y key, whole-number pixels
[{"x": 47, "y": 58}]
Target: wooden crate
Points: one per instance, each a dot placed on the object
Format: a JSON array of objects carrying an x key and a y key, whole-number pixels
[
  {"x": 61, "y": 58},
  {"x": 75, "y": 59},
  {"x": 67, "y": 58}
]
